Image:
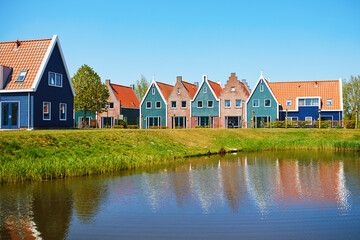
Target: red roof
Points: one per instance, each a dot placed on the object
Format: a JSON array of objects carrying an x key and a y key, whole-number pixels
[
  {"x": 245, "y": 88},
  {"x": 290, "y": 90},
  {"x": 190, "y": 88},
  {"x": 28, "y": 56},
  {"x": 165, "y": 89},
  {"x": 216, "y": 88},
  {"x": 126, "y": 95}
]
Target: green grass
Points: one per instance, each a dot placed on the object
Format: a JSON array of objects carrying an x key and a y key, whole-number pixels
[{"x": 48, "y": 154}]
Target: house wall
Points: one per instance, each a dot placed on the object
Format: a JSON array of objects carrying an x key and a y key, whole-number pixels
[
  {"x": 153, "y": 112},
  {"x": 114, "y": 112},
  {"x": 81, "y": 114},
  {"x": 204, "y": 111},
  {"x": 131, "y": 115},
  {"x": 227, "y": 94},
  {"x": 179, "y": 111},
  {"x": 55, "y": 95},
  {"x": 311, "y": 112},
  {"x": 22, "y": 98},
  {"x": 261, "y": 110}
]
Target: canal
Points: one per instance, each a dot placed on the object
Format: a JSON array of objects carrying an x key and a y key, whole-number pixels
[{"x": 266, "y": 195}]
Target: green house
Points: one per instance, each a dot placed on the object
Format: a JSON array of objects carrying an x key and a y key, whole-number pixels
[
  {"x": 89, "y": 118},
  {"x": 153, "y": 107},
  {"x": 262, "y": 106},
  {"x": 205, "y": 109}
]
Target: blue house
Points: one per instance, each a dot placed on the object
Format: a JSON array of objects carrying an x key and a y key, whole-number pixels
[
  {"x": 35, "y": 85},
  {"x": 205, "y": 106},
  {"x": 153, "y": 107}
]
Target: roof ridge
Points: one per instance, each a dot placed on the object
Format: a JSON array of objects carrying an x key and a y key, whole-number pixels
[
  {"x": 29, "y": 40},
  {"x": 189, "y": 83},
  {"x": 120, "y": 85},
  {"x": 306, "y": 81},
  {"x": 164, "y": 83}
]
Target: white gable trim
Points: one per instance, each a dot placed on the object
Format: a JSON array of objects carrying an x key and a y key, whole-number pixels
[
  {"x": 202, "y": 83},
  {"x": 157, "y": 87},
  {"x": 40, "y": 73},
  {"x": 17, "y": 90}
]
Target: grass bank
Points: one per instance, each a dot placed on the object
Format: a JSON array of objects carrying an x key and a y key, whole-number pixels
[{"x": 48, "y": 154}]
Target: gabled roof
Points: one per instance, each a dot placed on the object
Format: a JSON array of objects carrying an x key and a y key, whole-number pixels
[
  {"x": 216, "y": 88},
  {"x": 245, "y": 88},
  {"x": 165, "y": 89},
  {"x": 126, "y": 95},
  {"x": 190, "y": 88},
  {"x": 28, "y": 56},
  {"x": 324, "y": 89}
]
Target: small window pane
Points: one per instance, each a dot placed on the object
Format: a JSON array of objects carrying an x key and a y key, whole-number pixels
[
  {"x": 267, "y": 103},
  {"x": 153, "y": 91},
  {"x": 308, "y": 102},
  {"x": 210, "y": 104},
  {"x": 111, "y": 105},
  {"x": 46, "y": 111},
  {"x": 178, "y": 90},
  {"x": 62, "y": 111},
  {"x": 148, "y": 104},
  {"x": 183, "y": 104},
  {"x": 58, "y": 80},
  {"x": 238, "y": 103},
  {"x": 52, "y": 79},
  {"x": 301, "y": 102},
  {"x": 261, "y": 88},
  {"x": 233, "y": 89},
  {"x": 22, "y": 75},
  {"x": 199, "y": 104},
  {"x": 227, "y": 103},
  {"x": 289, "y": 102},
  {"x": 315, "y": 102},
  {"x": 158, "y": 104},
  {"x": 173, "y": 104},
  {"x": 255, "y": 102},
  {"x": 329, "y": 102},
  {"x": 205, "y": 89}
]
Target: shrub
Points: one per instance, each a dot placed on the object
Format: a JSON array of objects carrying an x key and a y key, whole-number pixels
[
  {"x": 120, "y": 122},
  {"x": 133, "y": 126},
  {"x": 118, "y": 126},
  {"x": 350, "y": 124}
]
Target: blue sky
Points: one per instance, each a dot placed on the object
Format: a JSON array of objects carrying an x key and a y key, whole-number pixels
[{"x": 288, "y": 40}]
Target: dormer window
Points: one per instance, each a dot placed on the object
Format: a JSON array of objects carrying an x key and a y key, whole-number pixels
[
  {"x": 55, "y": 79},
  {"x": 21, "y": 76},
  {"x": 329, "y": 102}
]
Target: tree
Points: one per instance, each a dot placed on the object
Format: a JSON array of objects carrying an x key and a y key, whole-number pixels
[
  {"x": 141, "y": 87},
  {"x": 91, "y": 93},
  {"x": 351, "y": 96}
]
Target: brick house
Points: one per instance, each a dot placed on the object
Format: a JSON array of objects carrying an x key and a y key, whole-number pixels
[
  {"x": 232, "y": 103},
  {"x": 123, "y": 104},
  {"x": 179, "y": 104},
  {"x": 205, "y": 109}
]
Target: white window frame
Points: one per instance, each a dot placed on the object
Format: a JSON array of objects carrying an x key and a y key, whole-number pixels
[
  {"x": 147, "y": 105},
  {"x": 265, "y": 104},
  {"x": 225, "y": 104},
  {"x": 48, "y": 111},
  {"x": 288, "y": 101},
  {"x": 54, "y": 85},
  {"x": 178, "y": 91},
  {"x": 253, "y": 101},
  {"x": 205, "y": 89},
  {"x": 261, "y": 87},
  {"x": 22, "y": 72},
  {"x": 327, "y": 102},
  {"x": 209, "y": 102},
  {"x": 64, "y": 119},
  {"x": 153, "y": 91},
  {"x": 185, "y": 104},
  {"x": 232, "y": 89},
  {"x": 110, "y": 106},
  {"x": 156, "y": 104},
  {"x": 172, "y": 104},
  {"x": 200, "y": 101},
  {"x": 308, "y": 119},
  {"x": 240, "y": 103}
]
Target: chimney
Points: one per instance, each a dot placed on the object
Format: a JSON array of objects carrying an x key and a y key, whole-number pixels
[
  {"x": 178, "y": 79},
  {"x": 132, "y": 86},
  {"x": 232, "y": 74},
  {"x": 196, "y": 83},
  {"x": 107, "y": 82},
  {"x": 219, "y": 82},
  {"x": 5, "y": 73}
]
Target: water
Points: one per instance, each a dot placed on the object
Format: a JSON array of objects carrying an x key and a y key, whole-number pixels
[{"x": 269, "y": 195}]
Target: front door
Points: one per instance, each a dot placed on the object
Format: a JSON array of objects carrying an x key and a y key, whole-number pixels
[{"x": 9, "y": 115}]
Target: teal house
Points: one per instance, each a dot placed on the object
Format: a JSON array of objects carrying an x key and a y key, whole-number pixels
[
  {"x": 262, "y": 105},
  {"x": 205, "y": 108},
  {"x": 153, "y": 107},
  {"x": 79, "y": 118}
]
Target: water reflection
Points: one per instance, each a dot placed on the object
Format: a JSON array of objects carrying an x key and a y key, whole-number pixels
[{"x": 260, "y": 185}]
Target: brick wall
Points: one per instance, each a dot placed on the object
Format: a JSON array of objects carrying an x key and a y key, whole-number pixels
[{"x": 110, "y": 112}]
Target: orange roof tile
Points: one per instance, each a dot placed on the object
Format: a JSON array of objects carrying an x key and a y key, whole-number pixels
[
  {"x": 216, "y": 88},
  {"x": 190, "y": 88},
  {"x": 165, "y": 89},
  {"x": 324, "y": 89},
  {"x": 126, "y": 95},
  {"x": 28, "y": 56}
]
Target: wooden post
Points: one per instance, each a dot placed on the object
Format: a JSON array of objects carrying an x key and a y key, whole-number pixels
[
  {"x": 141, "y": 123},
  {"x": 253, "y": 119},
  {"x": 356, "y": 118},
  {"x": 319, "y": 118},
  {"x": 174, "y": 122},
  {"x": 209, "y": 121},
  {"x": 286, "y": 119}
]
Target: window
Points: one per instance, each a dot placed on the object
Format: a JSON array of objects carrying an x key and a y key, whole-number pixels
[
  {"x": 292, "y": 118},
  {"x": 256, "y": 103},
  {"x": 205, "y": 89},
  {"x": 329, "y": 102},
  {"x": 238, "y": 103},
  {"x": 308, "y": 119},
  {"x": 233, "y": 89},
  {"x": 111, "y": 105},
  {"x": 210, "y": 104},
  {"x": 148, "y": 105},
  {"x": 267, "y": 103},
  {"x": 21, "y": 76},
  {"x": 261, "y": 88},
  {"x": 46, "y": 111},
  {"x": 227, "y": 103},
  {"x": 158, "y": 104},
  {"x": 153, "y": 91},
  {"x": 178, "y": 90},
  {"x": 183, "y": 104},
  {"x": 55, "y": 79},
  {"x": 309, "y": 102},
  {"x": 173, "y": 104},
  {"x": 199, "y": 104},
  {"x": 63, "y": 107},
  {"x": 288, "y": 102}
]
